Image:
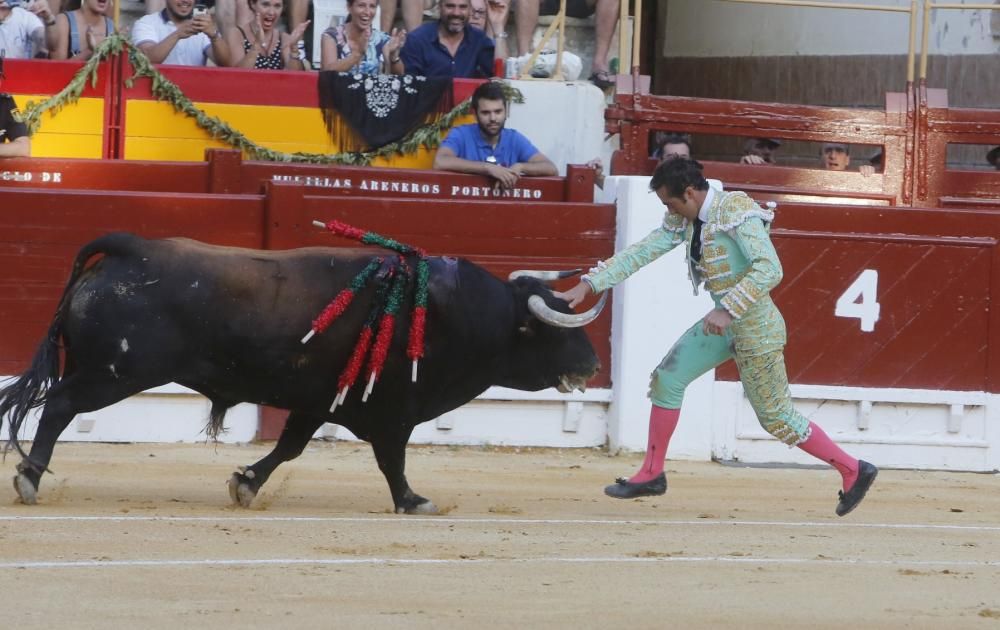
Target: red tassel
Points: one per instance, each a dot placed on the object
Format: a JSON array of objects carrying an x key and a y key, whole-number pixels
[
  {"x": 381, "y": 348},
  {"x": 350, "y": 373},
  {"x": 343, "y": 229},
  {"x": 415, "y": 347},
  {"x": 333, "y": 310}
]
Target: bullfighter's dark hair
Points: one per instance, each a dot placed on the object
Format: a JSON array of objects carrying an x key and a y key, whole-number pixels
[
  {"x": 488, "y": 91},
  {"x": 677, "y": 175}
]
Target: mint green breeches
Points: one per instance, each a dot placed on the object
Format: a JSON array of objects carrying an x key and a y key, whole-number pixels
[{"x": 756, "y": 341}]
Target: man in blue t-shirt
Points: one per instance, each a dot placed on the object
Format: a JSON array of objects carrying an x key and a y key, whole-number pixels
[
  {"x": 449, "y": 47},
  {"x": 487, "y": 148}
]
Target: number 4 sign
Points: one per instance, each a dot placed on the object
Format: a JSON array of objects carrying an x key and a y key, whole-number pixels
[{"x": 860, "y": 300}]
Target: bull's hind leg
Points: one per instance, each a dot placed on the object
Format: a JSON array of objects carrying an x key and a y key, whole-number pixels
[
  {"x": 76, "y": 393},
  {"x": 299, "y": 429},
  {"x": 390, "y": 452}
]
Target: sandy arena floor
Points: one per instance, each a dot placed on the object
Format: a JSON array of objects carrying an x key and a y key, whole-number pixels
[{"x": 143, "y": 536}]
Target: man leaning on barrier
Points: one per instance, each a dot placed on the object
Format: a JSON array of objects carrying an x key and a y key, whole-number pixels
[{"x": 486, "y": 147}]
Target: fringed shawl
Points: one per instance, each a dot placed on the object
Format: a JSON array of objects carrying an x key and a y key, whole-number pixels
[{"x": 365, "y": 111}]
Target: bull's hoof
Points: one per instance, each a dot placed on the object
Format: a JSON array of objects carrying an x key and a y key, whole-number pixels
[
  {"x": 242, "y": 489},
  {"x": 424, "y": 507},
  {"x": 26, "y": 491}
]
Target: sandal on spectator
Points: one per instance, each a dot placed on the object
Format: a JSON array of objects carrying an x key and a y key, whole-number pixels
[{"x": 602, "y": 79}]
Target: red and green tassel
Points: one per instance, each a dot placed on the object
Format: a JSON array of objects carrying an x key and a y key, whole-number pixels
[
  {"x": 353, "y": 368},
  {"x": 340, "y": 303},
  {"x": 418, "y": 317},
  {"x": 387, "y": 325},
  {"x": 369, "y": 238}
]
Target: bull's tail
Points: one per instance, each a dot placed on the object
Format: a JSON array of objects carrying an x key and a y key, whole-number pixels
[{"x": 29, "y": 391}]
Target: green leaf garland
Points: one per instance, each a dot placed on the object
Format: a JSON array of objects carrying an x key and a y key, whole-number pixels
[{"x": 163, "y": 89}]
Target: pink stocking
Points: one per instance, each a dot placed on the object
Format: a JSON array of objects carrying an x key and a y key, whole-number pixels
[
  {"x": 820, "y": 445},
  {"x": 662, "y": 423}
]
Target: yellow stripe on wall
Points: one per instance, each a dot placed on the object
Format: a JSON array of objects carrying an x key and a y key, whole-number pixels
[
  {"x": 76, "y": 131},
  {"x": 154, "y": 131}
]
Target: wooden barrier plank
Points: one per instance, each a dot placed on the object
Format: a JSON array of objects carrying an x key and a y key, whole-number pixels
[
  {"x": 225, "y": 172},
  {"x": 935, "y": 286}
]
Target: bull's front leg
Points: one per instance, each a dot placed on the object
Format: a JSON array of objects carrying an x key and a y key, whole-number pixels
[
  {"x": 247, "y": 480},
  {"x": 390, "y": 452}
]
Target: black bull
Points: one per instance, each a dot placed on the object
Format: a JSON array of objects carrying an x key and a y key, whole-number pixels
[{"x": 227, "y": 323}]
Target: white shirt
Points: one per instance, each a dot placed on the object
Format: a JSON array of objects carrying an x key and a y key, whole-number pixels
[
  {"x": 156, "y": 27},
  {"x": 705, "y": 205},
  {"x": 16, "y": 31}
]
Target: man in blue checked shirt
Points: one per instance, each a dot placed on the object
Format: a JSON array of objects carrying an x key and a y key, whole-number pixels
[{"x": 487, "y": 148}]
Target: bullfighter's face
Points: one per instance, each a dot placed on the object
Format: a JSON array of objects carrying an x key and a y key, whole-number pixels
[{"x": 687, "y": 205}]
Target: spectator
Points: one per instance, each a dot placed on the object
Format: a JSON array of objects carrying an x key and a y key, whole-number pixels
[
  {"x": 22, "y": 31},
  {"x": 836, "y": 156},
  {"x": 490, "y": 16},
  {"x": 673, "y": 145},
  {"x": 78, "y": 33},
  {"x": 14, "y": 141},
  {"x": 487, "y": 148},
  {"x": 228, "y": 13},
  {"x": 358, "y": 46},
  {"x": 993, "y": 157},
  {"x": 760, "y": 151},
  {"x": 260, "y": 44},
  {"x": 413, "y": 13},
  {"x": 606, "y": 17},
  {"x": 450, "y": 47},
  {"x": 177, "y": 35}
]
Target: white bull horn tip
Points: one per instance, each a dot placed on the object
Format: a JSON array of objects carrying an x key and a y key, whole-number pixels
[
  {"x": 544, "y": 276},
  {"x": 541, "y": 310}
]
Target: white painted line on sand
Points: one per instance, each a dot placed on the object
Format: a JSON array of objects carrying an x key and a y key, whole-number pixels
[
  {"x": 77, "y": 564},
  {"x": 417, "y": 520}
]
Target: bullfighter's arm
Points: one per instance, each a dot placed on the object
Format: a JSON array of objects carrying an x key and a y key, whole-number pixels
[
  {"x": 764, "y": 272},
  {"x": 637, "y": 255}
]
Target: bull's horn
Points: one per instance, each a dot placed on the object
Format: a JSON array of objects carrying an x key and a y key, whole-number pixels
[
  {"x": 541, "y": 310},
  {"x": 544, "y": 276}
]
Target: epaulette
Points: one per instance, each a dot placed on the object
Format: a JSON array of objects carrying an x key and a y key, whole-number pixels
[{"x": 735, "y": 208}]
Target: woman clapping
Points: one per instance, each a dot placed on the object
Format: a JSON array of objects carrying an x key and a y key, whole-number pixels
[
  {"x": 264, "y": 46},
  {"x": 358, "y": 45}
]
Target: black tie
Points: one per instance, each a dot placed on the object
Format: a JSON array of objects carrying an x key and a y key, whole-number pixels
[{"x": 696, "y": 240}]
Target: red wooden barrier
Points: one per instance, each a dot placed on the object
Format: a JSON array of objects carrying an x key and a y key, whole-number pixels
[
  {"x": 224, "y": 171},
  {"x": 637, "y": 116},
  {"x": 938, "y": 275},
  {"x": 939, "y": 126}
]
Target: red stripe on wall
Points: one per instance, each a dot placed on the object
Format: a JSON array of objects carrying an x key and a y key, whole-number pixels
[
  {"x": 254, "y": 87},
  {"x": 29, "y": 76}
]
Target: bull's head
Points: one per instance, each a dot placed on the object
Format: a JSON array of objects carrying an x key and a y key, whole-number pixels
[{"x": 556, "y": 352}]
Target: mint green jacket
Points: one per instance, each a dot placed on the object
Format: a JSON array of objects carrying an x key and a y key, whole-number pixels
[{"x": 738, "y": 265}]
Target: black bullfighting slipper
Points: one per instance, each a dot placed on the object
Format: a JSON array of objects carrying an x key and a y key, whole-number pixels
[
  {"x": 850, "y": 499},
  {"x": 622, "y": 488}
]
